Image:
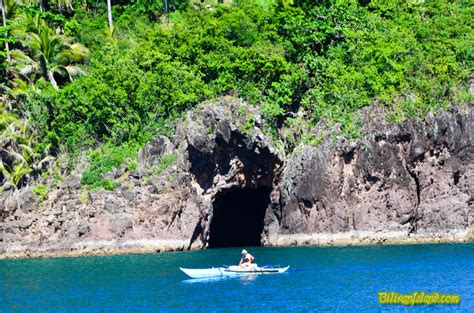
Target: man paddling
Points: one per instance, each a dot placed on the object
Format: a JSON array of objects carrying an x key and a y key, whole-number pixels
[{"x": 246, "y": 260}]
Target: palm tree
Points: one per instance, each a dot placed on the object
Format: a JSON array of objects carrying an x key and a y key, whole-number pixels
[
  {"x": 4, "y": 23},
  {"x": 109, "y": 14},
  {"x": 49, "y": 54},
  {"x": 18, "y": 150},
  {"x": 14, "y": 91},
  {"x": 14, "y": 134},
  {"x": 28, "y": 23}
]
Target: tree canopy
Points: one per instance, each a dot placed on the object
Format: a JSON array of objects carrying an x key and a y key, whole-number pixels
[{"x": 80, "y": 85}]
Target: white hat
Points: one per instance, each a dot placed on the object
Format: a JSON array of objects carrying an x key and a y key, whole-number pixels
[{"x": 244, "y": 251}]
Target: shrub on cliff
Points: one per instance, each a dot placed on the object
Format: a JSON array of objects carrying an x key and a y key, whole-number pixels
[{"x": 292, "y": 58}]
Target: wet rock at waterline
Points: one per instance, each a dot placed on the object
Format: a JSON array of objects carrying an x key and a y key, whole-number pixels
[{"x": 225, "y": 184}]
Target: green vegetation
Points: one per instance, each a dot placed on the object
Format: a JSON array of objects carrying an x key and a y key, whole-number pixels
[
  {"x": 41, "y": 191},
  {"x": 81, "y": 87},
  {"x": 247, "y": 128},
  {"x": 84, "y": 196},
  {"x": 20, "y": 152},
  {"x": 165, "y": 161},
  {"x": 103, "y": 160}
]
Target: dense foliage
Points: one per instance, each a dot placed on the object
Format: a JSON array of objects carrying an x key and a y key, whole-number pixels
[{"x": 300, "y": 61}]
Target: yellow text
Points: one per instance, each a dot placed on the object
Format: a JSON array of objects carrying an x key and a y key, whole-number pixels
[{"x": 418, "y": 298}]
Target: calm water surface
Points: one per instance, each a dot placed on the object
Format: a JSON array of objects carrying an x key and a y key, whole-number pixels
[{"x": 342, "y": 279}]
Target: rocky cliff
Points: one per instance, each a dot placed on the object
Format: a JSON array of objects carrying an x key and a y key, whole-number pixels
[
  {"x": 407, "y": 182},
  {"x": 227, "y": 185}
]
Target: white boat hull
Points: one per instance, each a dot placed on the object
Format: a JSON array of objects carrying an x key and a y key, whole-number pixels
[{"x": 231, "y": 271}]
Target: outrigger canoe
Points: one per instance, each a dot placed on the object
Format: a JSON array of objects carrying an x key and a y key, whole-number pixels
[{"x": 231, "y": 271}]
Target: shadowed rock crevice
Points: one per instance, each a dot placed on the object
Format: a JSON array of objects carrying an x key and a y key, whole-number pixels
[
  {"x": 235, "y": 167},
  {"x": 407, "y": 179},
  {"x": 237, "y": 155},
  {"x": 238, "y": 217},
  {"x": 230, "y": 186},
  {"x": 456, "y": 177},
  {"x": 414, "y": 217},
  {"x": 349, "y": 156}
]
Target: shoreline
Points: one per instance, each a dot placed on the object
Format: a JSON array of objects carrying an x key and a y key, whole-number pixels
[
  {"x": 366, "y": 238},
  {"x": 150, "y": 246}
]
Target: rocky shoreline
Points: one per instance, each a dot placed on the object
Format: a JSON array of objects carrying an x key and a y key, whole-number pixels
[
  {"x": 402, "y": 183},
  {"x": 103, "y": 248}
]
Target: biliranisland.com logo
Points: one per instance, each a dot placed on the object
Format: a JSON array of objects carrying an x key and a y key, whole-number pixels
[{"x": 418, "y": 298}]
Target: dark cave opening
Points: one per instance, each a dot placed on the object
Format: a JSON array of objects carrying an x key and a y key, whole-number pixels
[{"x": 238, "y": 217}]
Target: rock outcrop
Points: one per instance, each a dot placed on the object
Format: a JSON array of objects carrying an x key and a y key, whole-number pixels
[
  {"x": 218, "y": 147},
  {"x": 406, "y": 182}
]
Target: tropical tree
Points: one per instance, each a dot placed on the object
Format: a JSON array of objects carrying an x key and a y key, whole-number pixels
[
  {"x": 48, "y": 56},
  {"x": 14, "y": 136},
  {"x": 20, "y": 153},
  {"x": 4, "y": 24},
  {"x": 109, "y": 15},
  {"x": 28, "y": 23}
]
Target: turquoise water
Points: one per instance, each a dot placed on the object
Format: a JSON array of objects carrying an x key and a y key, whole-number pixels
[{"x": 320, "y": 279}]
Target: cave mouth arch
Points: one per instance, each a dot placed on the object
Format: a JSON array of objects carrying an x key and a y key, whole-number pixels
[{"x": 238, "y": 217}]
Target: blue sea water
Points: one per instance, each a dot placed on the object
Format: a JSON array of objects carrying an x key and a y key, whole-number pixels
[{"x": 322, "y": 279}]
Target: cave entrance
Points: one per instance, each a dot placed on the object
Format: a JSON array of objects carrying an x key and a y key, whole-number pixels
[{"x": 238, "y": 217}]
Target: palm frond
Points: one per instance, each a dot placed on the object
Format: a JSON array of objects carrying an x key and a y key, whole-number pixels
[
  {"x": 21, "y": 88},
  {"x": 75, "y": 71},
  {"x": 19, "y": 55},
  {"x": 18, "y": 156},
  {"x": 79, "y": 52},
  {"x": 46, "y": 52}
]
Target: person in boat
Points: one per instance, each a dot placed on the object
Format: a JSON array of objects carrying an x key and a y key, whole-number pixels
[{"x": 246, "y": 260}]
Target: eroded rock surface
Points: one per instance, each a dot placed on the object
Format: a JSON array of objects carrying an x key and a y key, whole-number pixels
[
  {"x": 407, "y": 182},
  {"x": 402, "y": 180},
  {"x": 219, "y": 146}
]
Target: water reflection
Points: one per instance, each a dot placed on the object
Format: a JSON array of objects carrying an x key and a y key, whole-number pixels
[
  {"x": 206, "y": 280},
  {"x": 243, "y": 279},
  {"x": 247, "y": 279}
]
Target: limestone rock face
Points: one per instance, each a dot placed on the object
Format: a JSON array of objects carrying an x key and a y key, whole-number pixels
[{"x": 399, "y": 183}]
